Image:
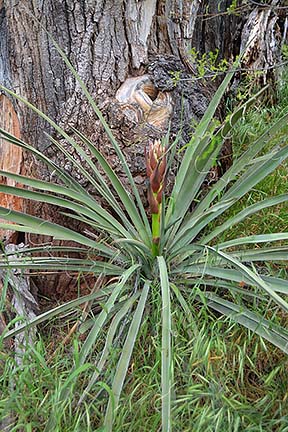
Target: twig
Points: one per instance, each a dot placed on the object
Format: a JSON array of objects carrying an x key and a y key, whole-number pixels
[{"x": 212, "y": 75}]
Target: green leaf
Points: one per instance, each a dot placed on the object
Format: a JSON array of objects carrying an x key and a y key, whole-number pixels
[
  {"x": 254, "y": 239},
  {"x": 255, "y": 174},
  {"x": 118, "y": 187},
  {"x": 73, "y": 304},
  {"x": 62, "y": 175},
  {"x": 120, "y": 315},
  {"x": 166, "y": 350},
  {"x": 62, "y": 264},
  {"x": 253, "y": 277},
  {"x": 186, "y": 308},
  {"x": 276, "y": 284},
  {"x": 92, "y": 336},
  {"x": 264, "y": 328},
  {"x": 190, "y": 226},
  {"x": 244, "y": 184},
  {"x": 36, "y": 225},
  {"x": 123, "y": 364},
  {"x": 248, "y": 211},
  {"x": 105, "y": 126},
  {"x": 102, "y": 317},
  {"x": 241, "y": 164},
  {"x": 97, "y": 215},
  {"x": 263, "y": 254}
]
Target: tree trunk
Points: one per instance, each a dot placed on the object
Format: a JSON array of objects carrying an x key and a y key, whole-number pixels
[{"x": 126, "y": 52}]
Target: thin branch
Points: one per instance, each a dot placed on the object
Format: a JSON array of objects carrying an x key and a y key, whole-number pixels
[
  {"x": 237, "y": 10},
  {"x": 216, "y": 74},
  {"x": 266, "y": 6}
]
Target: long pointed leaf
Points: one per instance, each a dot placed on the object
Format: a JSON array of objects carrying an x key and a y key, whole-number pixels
[
  {"x": 122, "y": 313},
  {"x": 106, "y": 127},
  {"x": 191, "y": 272},
  {"x": 254, "y": 239},
  {"x": 62, "y": 175},
  {"x": 117, "y": 185},
  {"x": 92, "y": 336},
  {"x": 241, "y": 164},
  {"x": 253, "y": 277},
  {"x": 248, "y": 211},
  {"x": 33, "y": 224},
  {"x": 97, "y": 215},
  {"x": 166, "y": 350},
  {"x": 264, "y": 328},
  {"x": 59, "y": 310},
  {"x": 123, "y": 364}
]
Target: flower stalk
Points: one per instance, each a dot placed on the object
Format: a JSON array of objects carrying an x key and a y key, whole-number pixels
[{"x": 156, "y": 169}]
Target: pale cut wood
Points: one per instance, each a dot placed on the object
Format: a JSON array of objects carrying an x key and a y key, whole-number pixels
[{"x": 10, "y": 160}]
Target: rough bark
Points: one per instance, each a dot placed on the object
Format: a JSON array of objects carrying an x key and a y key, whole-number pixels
[
  {"x": 111, "y": 44},
  {"x": 262, "y": 37}
]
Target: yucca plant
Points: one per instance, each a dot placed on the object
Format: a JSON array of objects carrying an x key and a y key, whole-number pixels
[{"x": 177, "y": 253}]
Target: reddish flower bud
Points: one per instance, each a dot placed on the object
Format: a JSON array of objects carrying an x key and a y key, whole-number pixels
[
  {"x": 148, "y": 167},
  {"x": 154, "y": 207},
  {"x": 153, "y": 158},
  {"x": 159, "y": 195},
  {"x": 162, "y": 166},
  {"x": 155, "y": 167},
  {"x": 155, "y": 180}
]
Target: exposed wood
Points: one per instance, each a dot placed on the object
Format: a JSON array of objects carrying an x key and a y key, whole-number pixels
[{"x": 11, "y": 158}]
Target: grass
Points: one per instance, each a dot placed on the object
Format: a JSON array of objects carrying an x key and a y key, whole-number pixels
[{"x": 228, "y": 379}]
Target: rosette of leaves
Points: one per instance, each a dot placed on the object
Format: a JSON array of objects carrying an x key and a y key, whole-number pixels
[{"x": 189, "y": 257}]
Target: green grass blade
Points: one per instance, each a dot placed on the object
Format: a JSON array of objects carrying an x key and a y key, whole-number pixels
[
  {"x": 166, "y": 350},
  {"x": 277, "y": 335},
  {"x": 186, "y": 308},
  {"x": 123, "y": 364}
]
